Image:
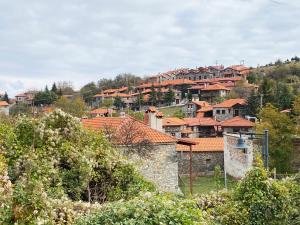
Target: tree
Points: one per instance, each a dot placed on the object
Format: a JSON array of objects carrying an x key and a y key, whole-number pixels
[
  {"x": 65, "y": 87},
  {"x": 139, "y": 101},
  {"x": 44, "y": 97},
  {"x": 88, "y": 91},
  {"x": 106, "y": 103},
  {"x": 54, "y": 88},
  {"x": 253, "y": 104},
  {"x": 153, "y": 97},
  {"x": 284, "y": 96},
  {"x": 76, "y": 106},
  {"x": 118, "y": 103},
  {"x": 5, "y": 97},
  {"x": 159, "y": 96},
  {"x": 281, "y": 131},
  {"x": 241, "y": 90},
  {"x": 267, "y": 89},
  {"x": 169, "y": 97}
]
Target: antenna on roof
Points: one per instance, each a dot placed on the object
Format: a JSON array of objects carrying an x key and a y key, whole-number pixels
[
  {"x": 216, "y": 62},
  {"x": 242, "y": 62}
]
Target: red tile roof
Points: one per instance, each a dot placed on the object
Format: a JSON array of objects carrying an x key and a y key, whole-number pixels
[
  {"x": 173, "y": 121},
  {"x": 119, "y": 124},
  {"x": 3, "y": 103},
  {"x": 230, "y": 103},
  {"x": 203, "y": 145},
  {"x": 101, "y": 111},
  {"x": 167, "y": 83},
  {"x": 203, "y": 121},
  {"x": 237, "y": 122},
  {"x": 215, "y": 87},
  {"x": 205, "y": 109},
  {"x": 201, "y": 103}
]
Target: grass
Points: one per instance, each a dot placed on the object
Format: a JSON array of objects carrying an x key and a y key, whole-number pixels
[
  {"x": 205, "y": 184},
  {"x": 169, "y": 112}
]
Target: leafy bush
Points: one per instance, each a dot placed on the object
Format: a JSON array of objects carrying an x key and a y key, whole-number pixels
[
  {"x": 55, "y": 158},
  {"x": 259, "y": 200},
  {"x": 147, "y": 209}
]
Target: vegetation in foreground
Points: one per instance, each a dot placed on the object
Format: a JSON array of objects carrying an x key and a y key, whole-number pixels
[{"x": 54, "y": 172}]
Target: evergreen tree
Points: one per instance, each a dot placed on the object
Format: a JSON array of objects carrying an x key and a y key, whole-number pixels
[
  {"x": 284, "y": 96},
  {"x": 153, "y": 97},
  {"x": 46, "y": 88},
  {"x": 5, "y": 97},
  {"x": 54, "y": 88},
  {"x": 159, "y": 95},
  {"x": 253, "y": 104}
]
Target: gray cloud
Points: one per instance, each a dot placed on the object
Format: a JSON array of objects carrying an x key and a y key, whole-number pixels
[{"x": 81, "y": 41}]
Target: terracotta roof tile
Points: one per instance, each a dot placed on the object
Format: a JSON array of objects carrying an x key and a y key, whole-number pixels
[
  {"x": 204, "y": 145},
  {"x": 237, "y": 122},
  {"x": 101, "y": 111},
  {"x": 215, "y": 87},
  {"x": 118, "y": 124},
  {"x": 230, "y": 103},
  {"x": 203, "y": 121},
  {"x": 3, "y": 103},
  {"x": 201, "y": 103},
  {"x": 173, "y": 121}
]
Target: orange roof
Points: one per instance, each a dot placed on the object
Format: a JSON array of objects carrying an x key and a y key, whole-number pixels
[
  {"x": 101, "y": 111},
  {"x": 173, "y": 121},
  {"x": 203, "y": 145},
  {"x": 110, "y": 91},
  {"x": 286, "y": 111},
  {"x": 237, "y": 122},
  {"x": 3, "y": 103},
  {"x": 203, "y": 121},
  {"x": 205, "y": 109},
  {"x": 151, "y": 109},
  {"x": 215, "y": 87},
  {"x": 238, "y": 67},
  {"x": 159, "y": 114},
  {"x": 99, "y": 95},
  {"x": 231, "y": 102},
  {"x": 187, "y": 131},
  {"x": 166, "y": 83},
  {"x": 201, "y": 103},
  {"x": 118, "y": 125}
]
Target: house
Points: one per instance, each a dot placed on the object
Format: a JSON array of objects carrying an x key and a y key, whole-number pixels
[
  {"x": 230, "y": 108},
  {"x": 206, "y": 111},
  {"x": 4, "y": 108},
  {"x": 190, "y": 109},
  {"x": 211, "y": 92},
  {"x": 174, "y": 126},
  {"x": 161, "y": 166},
  {"x": 201, "y": 127},
  {"x": 206, "y": 154},
  {"x": 236, "y": 71},
  {"x": 237, "y": 124},
  {"x": 101, "y": 112},
  {"x": 26, "y": 98}
]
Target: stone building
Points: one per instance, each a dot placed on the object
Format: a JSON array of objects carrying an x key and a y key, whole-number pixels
[
  {"x": 151, "y": 150},
  {"x": 237, "y": 124},
  {"x": 236, "y": 161},
  {"x": 190, "y": 109},
  {"x": 202, "y": 127},
  {"x": 206, "y": 154},
  {"x": 212, "y": 92},
  {"x": 174, "y": 126},
  {"x": 230, "y": 108}
]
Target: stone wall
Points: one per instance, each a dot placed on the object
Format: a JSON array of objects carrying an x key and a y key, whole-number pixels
[
  {"x": 161, "y": 167},
  {"x": 237, "y": 162},
  {"x": 295, "y": 159},
  {"x": 203, "y": 163}
]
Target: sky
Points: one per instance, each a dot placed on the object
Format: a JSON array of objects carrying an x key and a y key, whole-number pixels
[{"x": 45, "y": 41}]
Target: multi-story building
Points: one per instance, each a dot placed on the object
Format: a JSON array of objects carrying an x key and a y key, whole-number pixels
[{"x": 230, "y": 108}]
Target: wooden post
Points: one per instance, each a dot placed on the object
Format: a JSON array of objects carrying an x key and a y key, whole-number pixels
[{"x": 191, "y": 171}]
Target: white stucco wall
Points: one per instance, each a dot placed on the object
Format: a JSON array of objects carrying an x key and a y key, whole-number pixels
[{"x": 236, "y": 162}]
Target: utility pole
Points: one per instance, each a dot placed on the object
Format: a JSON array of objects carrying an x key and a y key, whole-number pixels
[
  {"x": 261, "y": 100},
  {"x": 191, "y": 171}
]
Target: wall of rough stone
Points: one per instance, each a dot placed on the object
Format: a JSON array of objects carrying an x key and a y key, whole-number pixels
[
  {"x": 203, "y": 163},
  {"x": 237, "y": 162},
  {"x": 161, "y": 167},
  {"x": 295, "y": 159}
]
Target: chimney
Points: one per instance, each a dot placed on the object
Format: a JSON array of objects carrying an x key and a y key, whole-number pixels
[{"x": 153, "y": 118}]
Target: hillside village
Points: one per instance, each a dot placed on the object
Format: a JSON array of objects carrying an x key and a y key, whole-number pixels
[{"x": 179, "y": 125}]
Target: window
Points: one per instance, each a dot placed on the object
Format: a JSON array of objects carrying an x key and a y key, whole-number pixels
[
  {"x": 173, "y": 134},
  {"x": 218, "y": 111},
  {"x": 223, "y": 111},
  {"x": 236, "y": 112},
  {"x": 229, "y": 110}
]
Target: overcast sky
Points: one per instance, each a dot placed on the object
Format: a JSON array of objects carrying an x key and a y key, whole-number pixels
[{"x": 42, "y": 41}]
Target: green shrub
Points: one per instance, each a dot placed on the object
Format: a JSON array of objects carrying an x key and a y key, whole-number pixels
[{"x": 146, "y": 210}]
